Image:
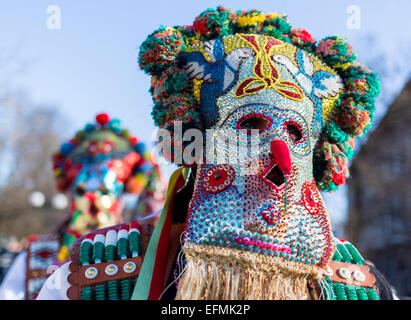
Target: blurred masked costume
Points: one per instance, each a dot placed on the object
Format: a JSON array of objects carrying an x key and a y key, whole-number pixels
[
  {"x": 95, "y": 169},
  {"x": 277, "y": 113}
]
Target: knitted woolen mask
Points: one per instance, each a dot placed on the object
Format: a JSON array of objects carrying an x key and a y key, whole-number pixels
[{"x": 256, "y": 221}]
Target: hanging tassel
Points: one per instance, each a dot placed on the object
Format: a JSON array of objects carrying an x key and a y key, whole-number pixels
[{"x": 226, "y": 274}]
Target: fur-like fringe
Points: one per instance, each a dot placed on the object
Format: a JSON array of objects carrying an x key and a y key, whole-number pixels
[{"x": 228, "y": 276}]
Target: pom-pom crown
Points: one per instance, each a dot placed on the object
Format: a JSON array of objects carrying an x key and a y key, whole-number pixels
[{"x": 174, "y": 99}]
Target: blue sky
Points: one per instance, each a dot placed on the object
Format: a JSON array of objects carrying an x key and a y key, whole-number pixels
[{"x": 89, "y": 65}]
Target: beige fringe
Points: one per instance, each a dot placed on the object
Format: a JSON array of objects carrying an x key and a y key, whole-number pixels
[{"x": 215, "y": 273}]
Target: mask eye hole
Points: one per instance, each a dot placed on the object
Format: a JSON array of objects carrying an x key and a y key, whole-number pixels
[
  {"x": 294, "y": 131},
  {"x": 80, "y": 190},
  {"x": 254, "y": 122},
  {"x": 103, "y": 190}
]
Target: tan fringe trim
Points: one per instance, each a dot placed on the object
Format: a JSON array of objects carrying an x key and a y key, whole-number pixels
[{"x": 228, "y": 274}]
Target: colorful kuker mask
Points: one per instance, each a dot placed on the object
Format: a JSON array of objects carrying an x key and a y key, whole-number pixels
[
  {"x": 96, "y": 167},
  {"x": 259, "y": 234}
]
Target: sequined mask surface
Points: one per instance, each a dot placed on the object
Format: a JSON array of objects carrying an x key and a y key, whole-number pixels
[
  {"x": 258, "y": 194},
  {"x": 96, "y": 198},
  {"x": 100, "y": 167}
]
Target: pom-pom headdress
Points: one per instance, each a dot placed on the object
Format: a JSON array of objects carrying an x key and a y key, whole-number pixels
[
  {"x": 103, "y": 141},
  {"x": 343, "y": 120}
]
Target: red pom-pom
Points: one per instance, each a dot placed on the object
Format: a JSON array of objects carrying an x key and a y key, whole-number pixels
[
  {"x": 73, "y": 141},
  {"x": 133, "y": 140},
  {"x": 57, "y": 157},
  {"x": 102, "y": 118}
]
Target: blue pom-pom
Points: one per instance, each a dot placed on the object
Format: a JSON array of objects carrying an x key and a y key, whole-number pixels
[
  {"x": 66, "y": 148},
  {"x": 115, "y": 125},
  {"x": 89, "y": 127},
  {"x": 145, "y": 167},
  {"x": 140, "y": 148}
]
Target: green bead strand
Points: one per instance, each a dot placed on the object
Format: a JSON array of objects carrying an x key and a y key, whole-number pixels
[
  {"x": 372, "y": 294},
  {"x": 100, "y": 291},
  {"x": 98, "y": 251},
  {"x": 337, "y": 255},
  {"x": 362, "y": 294},
  {"x": 86, "y": 293},
  {"x": 355, "y": 254},
  {"x": 134, "y": 243},
  {"x": 112, "y": 290},
  {"x": 85, "y": 253},
  {"x": 339, "y": 291},
  {"x": 125, "y": 289},
  {"x": 327, "y": 289},
  {"x": 345, "y": 254},
  {"x": 122, "y": 248},
  {"x": 110, "y": 253},
  {"x": 351, "y": 292}
]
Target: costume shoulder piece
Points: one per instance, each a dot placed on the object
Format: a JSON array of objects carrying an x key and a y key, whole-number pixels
[
  {"x": 42, "y": 252},
  {"x": 346, "y": 277},
  {"x": 105, "y": 264}
]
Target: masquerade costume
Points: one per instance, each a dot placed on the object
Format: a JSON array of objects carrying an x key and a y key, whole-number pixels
[
  {"x": 95, "y": 168},
  {"x": 247, "y": 220}
]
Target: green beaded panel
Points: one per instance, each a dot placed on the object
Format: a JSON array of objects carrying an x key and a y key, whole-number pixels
[
  {"x": 97, "y": 252},
  {"x": 340, "y": 291}
]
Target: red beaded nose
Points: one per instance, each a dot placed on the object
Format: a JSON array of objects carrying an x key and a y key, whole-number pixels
[{"x": 281, "y": 154}]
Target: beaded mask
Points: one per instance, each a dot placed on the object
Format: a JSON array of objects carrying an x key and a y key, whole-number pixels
[
  {"x": 281, "y": 111},
  {"x": 96, "y": 168}
]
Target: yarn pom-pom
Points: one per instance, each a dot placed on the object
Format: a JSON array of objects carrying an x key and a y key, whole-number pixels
[
  {"x": 66, "y": 148},
  {"x": 214, "y": 23},
  {"x": 361, "y": 83},
  {"x": 171, "y": 82},
  {"x": 133, "y": 140},
  {"x": 335, "y": 164},
  {"x": 336, "y": 52},
  {"x": 352, "y": 118},
  {"x": 89, "y": 127},
  {"x": 160, "y": 49},
  {"x": 178, "y": 108},
  {"x": 277, "y": 26},
  {"x": 302, "y": 38},
  {"x": 140, "y": 148},
  {"x": 115, "y": 125},
  {"x": 102, "y": 119},
  {"x": 251, "y": 21}
]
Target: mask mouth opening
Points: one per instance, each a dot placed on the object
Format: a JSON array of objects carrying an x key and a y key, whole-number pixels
[
  {"x": 276, "y": 176},
  {"x": 94, "y": 210}
]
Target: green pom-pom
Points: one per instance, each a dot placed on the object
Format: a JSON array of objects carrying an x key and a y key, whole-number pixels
[
  {"x": 251, "y": 21},
  {"x": 212, "y": 23},
  {"x": 336, "y": 52},
  {"x": 335, "y": 134},
  {"x": 160, "y": 50}
]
